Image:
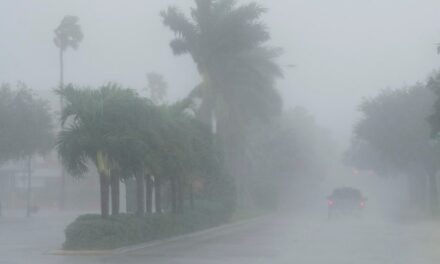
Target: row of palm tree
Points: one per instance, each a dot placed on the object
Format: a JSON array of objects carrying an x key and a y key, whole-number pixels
[
  {"x": 126, "y": 136},
  {"x": 238, "y": 70}
]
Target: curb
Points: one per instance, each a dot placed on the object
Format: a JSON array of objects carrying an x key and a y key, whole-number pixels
[
  {"x": 197, "y": 234},
  {"x": 80, "y": 252},
  {"x": 155, "y": 243}
]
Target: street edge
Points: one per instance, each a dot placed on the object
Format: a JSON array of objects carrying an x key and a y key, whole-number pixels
[
  {"x": 155, "y": 243},
  {"x": 196, "y": 234}
]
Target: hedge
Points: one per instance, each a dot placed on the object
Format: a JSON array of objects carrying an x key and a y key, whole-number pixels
[{"x": 92, "y": 232}]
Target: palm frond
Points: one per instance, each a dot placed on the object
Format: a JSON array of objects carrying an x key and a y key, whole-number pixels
[
  {"x": 179, "y": 46},
  {"x": 68, "y": 33},
  {"x": 178, "y": 23},
  {"x": 72, "y": 146}
]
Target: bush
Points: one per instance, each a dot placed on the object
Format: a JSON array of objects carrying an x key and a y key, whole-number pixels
[{"x": 92, "y": 232}]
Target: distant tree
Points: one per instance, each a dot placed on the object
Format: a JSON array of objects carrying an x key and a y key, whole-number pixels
[
  {"x": 26, "y": 127},
  {"x": 157, "y": 87},
  {"x": 434, "y": 118},
  {"x": 434, "y": 121},
  {"x": 362, "y": 156},
  {"x": 394, "y": 124},
  {"x": 288, "y": 152},
  {"x": 228, "y": 43},
  {"x": 26, "y": 123}
]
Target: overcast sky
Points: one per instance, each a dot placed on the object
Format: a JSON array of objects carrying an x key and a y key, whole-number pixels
[{"x": 343, "y": 49}]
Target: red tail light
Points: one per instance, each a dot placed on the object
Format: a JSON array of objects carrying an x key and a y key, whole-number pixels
[
  {"x": 330, "y": 202},
  {"x": 362, "y": 205}
]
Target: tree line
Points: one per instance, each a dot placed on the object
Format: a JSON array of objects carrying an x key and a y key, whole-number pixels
[
  {"x": 398, "y": 136},
  {"x": 217, "y": 132}
]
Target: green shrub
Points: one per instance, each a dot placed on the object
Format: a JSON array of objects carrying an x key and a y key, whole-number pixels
[{"x": 92, "y": 232}]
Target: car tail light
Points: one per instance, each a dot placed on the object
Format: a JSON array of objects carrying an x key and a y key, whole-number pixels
[
  {"x": 362, "y": 204},
  {"x": 330, "y": 202}
]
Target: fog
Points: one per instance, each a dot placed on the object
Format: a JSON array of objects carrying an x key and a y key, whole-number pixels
[
  {"x": 343, "y": 50},
  {"x": 229, "y": 180}
]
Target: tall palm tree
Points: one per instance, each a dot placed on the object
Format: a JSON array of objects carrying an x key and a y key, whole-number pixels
[
  {"x": 67, "y": 34},
  {"x": 228, "y": 43}
]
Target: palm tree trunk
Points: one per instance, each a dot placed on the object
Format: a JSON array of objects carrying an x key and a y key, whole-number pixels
[
  {"x": 149, "y": 194},
  {"x": 180, "y": 196},
  {"x": 61, "y": 68},
  {"x": 157, "y": 193},
  {"x": 174, "y": 196},
  {"x": 417, "y": 188},
  {"x": 29, "y": 187},
  {"x": 115, "y": 193},
  {"x": 140, "y": 194},
  {"x": 62, "y": 200},
  {"x": 191, "y": 196},
  {"x": 213, "y": 122},
  {"x": 130, "y": 195},
  {"x": 104, "y": 188}
]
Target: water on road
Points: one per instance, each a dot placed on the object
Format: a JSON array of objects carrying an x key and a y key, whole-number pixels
[{"x": 289, "y": 238}]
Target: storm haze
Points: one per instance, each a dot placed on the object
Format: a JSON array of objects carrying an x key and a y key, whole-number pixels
[
  {"x": 343, "y": 50},
  {"x": 219, "y": 131}
]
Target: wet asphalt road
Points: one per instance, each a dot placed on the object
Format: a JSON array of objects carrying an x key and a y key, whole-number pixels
[{"x": 303, "y": 239}]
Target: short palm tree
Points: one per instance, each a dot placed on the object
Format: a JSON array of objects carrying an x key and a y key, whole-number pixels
[{"x": 99, "y": 125}]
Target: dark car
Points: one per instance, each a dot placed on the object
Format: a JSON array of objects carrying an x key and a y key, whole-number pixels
[{"x": 346, "y": 201}]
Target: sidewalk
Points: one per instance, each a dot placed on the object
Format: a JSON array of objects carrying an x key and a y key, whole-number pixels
[{"x": 22, "y": 240}]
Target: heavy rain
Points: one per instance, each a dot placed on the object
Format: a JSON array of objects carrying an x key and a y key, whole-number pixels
[{"x": 219, "y": 132}]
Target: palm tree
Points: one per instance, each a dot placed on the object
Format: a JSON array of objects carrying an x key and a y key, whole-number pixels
[
  {"x": 101, "y": 126},
  {"x": 83, "y": 139},
  {"x": 178, "y": 159},
  {"x": 157, "y": 87},
  {"x": 228, "y": 44},
  {"x": 131, "y": 145},
  {"x": 67, "y": 34}
]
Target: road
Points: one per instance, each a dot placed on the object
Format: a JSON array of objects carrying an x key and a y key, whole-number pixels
[
  {"x": 302, "y": 238},
  {"x": 290, "y": 239}
]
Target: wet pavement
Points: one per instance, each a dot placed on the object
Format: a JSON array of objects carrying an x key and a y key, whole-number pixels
[{"x": 303, "y": 239}]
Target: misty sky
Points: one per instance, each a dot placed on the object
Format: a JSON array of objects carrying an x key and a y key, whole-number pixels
[{"x": 344, "y": 49}]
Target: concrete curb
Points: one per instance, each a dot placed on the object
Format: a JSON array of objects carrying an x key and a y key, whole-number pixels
[{"x": 156, "y": 243}]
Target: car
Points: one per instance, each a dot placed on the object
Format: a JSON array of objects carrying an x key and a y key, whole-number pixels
[{"x": 346, "y": 201}]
